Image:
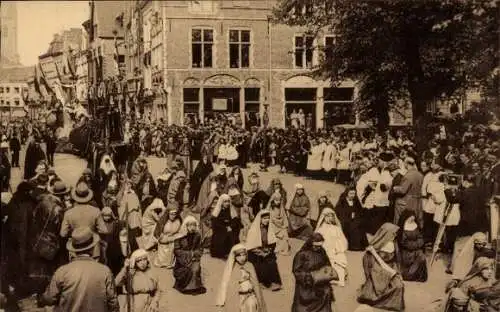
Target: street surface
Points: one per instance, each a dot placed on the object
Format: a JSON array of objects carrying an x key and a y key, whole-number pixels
[{"x": 418, "y": 296}]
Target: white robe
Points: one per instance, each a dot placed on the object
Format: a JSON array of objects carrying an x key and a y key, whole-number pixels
[
  {"x": 329, "y": 158},
  {"x": 344, "y": 159},
  {"x": 315, "y": 158}
]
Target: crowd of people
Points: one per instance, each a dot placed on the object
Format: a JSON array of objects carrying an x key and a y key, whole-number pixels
[{"x": 79, "y": 247}]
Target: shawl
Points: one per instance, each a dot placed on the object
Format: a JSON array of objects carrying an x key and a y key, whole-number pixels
[
  {"x": 183, "y": 229},
  {"x": 465, "y": 258},
  {"x": 150, "y": 218},
  {"x": 254, "y": 236},
  {"x": 279, "y": 217},
  {"x": 226, "y": 278},
  {"x": 136, "y": 173},
  {"x": 218, "y": 208},
  {"x": 107, "y": 167},
  {"x": 335, "y": 239},
  {"x": 386, "y": 233},
  {"x": 129, "y": 201},
  {"x": 300, "y": 201},
  {"x": 211, "y": 198},
  {"x": 480, "y": 264}
]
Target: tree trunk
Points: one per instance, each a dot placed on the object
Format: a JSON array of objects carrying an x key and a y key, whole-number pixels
[{"x": 381, "y": 112}]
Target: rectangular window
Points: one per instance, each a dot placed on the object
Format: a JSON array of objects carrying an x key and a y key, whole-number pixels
[
  {"x": 16, "y": 102},
  {"x": 338, "y": 106},
  {"x": 1, "y": 89},
  {"x": 252, "y": 100},
  {"x": 191, "y": 100},
  {"x": 7, "y": 90},
  {"x": 329, "y": 44},
  {"x": 2, "y": 102},
  {"x": 304, "y": 49},
  {"x": 202, "y": 41},
  {"x": 16, "y": 90},
  {"x": 239, "y": 48}
]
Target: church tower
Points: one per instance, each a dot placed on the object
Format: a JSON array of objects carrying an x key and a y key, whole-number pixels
[{"x": 8, "y": 44}]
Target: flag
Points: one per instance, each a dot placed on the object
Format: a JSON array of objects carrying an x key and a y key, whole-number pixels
[
  {"x": 43, "y": 81},
  {"x": 37, "y": 79}
]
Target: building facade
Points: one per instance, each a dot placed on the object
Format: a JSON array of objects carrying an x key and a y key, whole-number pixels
[
  {"x": 9, "y": 55},
  {"x": 11, "y": 99},
  {"x": 227, "y": 57}
]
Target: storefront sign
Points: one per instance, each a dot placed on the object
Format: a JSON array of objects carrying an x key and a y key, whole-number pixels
[{"x": 219, "y": 104}]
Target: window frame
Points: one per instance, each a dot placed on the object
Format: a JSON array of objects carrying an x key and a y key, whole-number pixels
[
  {"x": 17, "y": 102},
  {"x": 16, "y": 90},
  {"x": 304, "y": 52},
  {"x": 7, "y": 89},
  {"x": 191, "y": 42},
  {"x": 325, "y": 46},
  {"x": 240, "y": 45},
  {"x": 190, "y": 102},
  {"x": 258, "y": 102}
]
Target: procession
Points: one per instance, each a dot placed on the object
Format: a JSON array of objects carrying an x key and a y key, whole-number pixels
[{"x": 110, "y": 205}]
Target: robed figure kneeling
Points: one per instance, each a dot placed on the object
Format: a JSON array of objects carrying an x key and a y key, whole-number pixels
[{"x": 188, "y": 250}]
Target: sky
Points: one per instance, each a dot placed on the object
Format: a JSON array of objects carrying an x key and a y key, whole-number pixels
[{"x": 38, "y": 21}]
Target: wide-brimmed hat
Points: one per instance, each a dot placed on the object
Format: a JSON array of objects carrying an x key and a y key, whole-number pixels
[
  {"x": 59, "y": 188},
  {"x": 82, "y": 239},
  {"x": 82, "y": 193}
]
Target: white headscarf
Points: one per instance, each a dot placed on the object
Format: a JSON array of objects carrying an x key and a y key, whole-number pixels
[
  {"x": 333, "y": 234},
  {"x": 226, "y": 275},
  {"x": 464, "y": 259},
  {"x": 254, "y": 237},
  {"x": 137, "y": 255},
  {"x": 218, "y": 207},
  {"x": 183, "y": 231},
  {"x": 107, "y": 167}
]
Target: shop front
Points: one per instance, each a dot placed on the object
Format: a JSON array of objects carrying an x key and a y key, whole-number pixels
[
  {"x": 313, "y": 104},
  {"x": 222, "y": 97}
]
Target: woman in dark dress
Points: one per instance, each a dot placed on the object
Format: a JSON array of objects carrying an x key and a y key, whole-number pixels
[
  {"x": 226, "y": 226},
  {"x": 201, "y": 172},
  {"x": 383, "y": 287},
  {"x": 188, "y": 250},
  {"x": 237, "y": 175},
  {"x": 349, "y": 212},
  {"x": 313, "y": 294},
  {"x": 110, "y": 237},
  {"x": 411, "y": 248},
  {"x": 261, "y": 244}
]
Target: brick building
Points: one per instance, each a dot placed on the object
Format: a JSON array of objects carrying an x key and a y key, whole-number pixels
[{"x": 227, "y": 57}]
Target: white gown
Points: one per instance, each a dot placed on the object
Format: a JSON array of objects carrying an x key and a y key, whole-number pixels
[
  {"x": 315, "y": 158},
  {"x": 329, "y": 158}
]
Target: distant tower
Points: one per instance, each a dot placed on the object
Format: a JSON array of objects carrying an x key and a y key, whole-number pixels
[{"x": 8, "y": 43}]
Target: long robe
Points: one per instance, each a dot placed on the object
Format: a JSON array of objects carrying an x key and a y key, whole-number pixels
[
  {"x": 314, "y": 161},
  {"x": 201, "y": 172},
  {"x": 165, "y": 256},
  {"x": 226, "y": 231},
  {"x": 329, "y": 158},
  {"x": 350, "y": 215},
  {"x": 34, "y": 154},
  {"x": 413, "y": 261},
  {"x": 187, "y": 270},
  {"x": 298, "y": 217},
  {"x": 380, "y": 289},
  {"x": 309, "y": 297}
]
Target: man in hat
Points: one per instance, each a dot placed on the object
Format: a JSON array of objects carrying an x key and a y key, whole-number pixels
[
  {"x": 61, "y": 192},
  {"x": 410, "y": 193},
  {"x": 83, "y": 284},
  {"x": 82, "y": 214}
]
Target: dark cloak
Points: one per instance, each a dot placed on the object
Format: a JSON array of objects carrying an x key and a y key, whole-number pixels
[
  {"x": 187, "y": 270},
  {"x": 298, "y": 217},
  {"x": 222, "y": 239},
  {"x": 413, "y": 264},
  {"x": 34, "y": 154},
  {"x": 352, "y": 222},
  {"x": 201, "y": 172},
  {"x": 309, "y": 297}
]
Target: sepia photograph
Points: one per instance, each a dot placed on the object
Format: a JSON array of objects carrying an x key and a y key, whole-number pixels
[{"x": 250, "y": 156}]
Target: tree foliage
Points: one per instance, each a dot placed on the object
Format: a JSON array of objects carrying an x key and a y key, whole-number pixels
[{"x": 415, "y": 49}]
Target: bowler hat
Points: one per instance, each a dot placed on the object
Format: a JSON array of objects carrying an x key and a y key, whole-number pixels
[
  {"x": 82, "y": 239},
  {"x": 82, "y": 193},
  {"x": 59, "y": 188}
]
